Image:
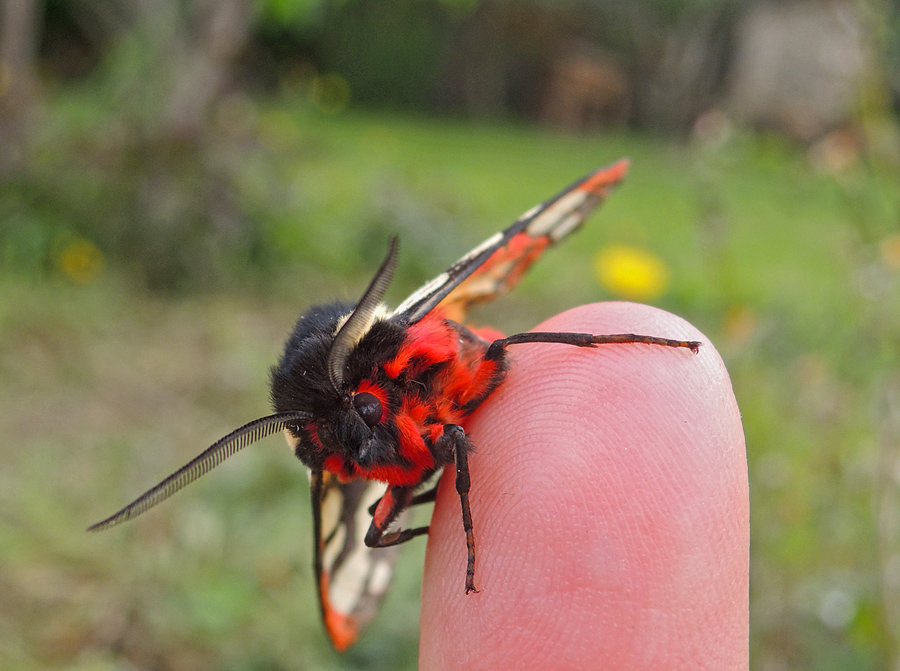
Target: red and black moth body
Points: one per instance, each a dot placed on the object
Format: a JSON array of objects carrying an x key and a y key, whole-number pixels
[
  {"x": 404, "y": 384},
  {"x": 373, "y": 401}
]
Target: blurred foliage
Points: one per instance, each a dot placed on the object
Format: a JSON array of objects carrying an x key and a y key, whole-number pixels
[
  {"x": 358, "y": 39},
  {"x": 291, "y": 13},
  {"x": 161, "y": 208},
  {"x": 156, "y": 155}
]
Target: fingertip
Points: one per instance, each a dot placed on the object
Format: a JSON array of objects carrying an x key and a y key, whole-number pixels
[{"x": 609, "y": 497}]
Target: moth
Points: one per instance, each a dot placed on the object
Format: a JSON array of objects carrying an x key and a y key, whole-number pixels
[{"x": 373, "y": 402}]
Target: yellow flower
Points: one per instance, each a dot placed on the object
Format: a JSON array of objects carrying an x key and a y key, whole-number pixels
[
  {"x": 80, "y": 261},
  {"x": 630, "y": 272}
]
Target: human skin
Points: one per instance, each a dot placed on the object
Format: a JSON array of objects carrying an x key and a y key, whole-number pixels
[{"x": 610, "y": 503}]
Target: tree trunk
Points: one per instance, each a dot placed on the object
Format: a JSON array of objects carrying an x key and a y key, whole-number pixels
[{"x": 19, "y": 33}]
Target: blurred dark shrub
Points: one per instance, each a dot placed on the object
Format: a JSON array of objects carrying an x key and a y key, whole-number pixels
[
  {"x": 389, "y": 52},
  {"x": 160, "y": 210}
]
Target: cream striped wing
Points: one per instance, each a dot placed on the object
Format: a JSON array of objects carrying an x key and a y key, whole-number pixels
[
  {"x": 352, "y": 578},
  {"x": 497, "y": 264}
]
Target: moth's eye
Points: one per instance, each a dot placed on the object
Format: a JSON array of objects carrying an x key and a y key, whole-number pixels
[{"x": 369, "y": 407}]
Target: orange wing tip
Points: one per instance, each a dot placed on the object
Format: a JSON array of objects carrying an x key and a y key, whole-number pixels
[
  {"x": 606, "y": 178},
  {"x": 342, "y": 629}
]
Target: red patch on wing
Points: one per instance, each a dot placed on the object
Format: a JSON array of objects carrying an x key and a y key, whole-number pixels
[
  {"x": 498, "y": 274},
  {"x": 600, "y": 182},
  {"x": 519, "y": 253},
  {"x": 342, "y": 628}
]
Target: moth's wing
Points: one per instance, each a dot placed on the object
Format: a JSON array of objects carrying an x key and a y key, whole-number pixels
[
  {"x": 497, "y": 264},
  {"x": 352, "y": 578}
]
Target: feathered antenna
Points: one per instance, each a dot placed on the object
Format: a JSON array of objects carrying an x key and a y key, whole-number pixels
[
  {"x": 359, "y": 321},
  {"x": 203, "y": 463}
]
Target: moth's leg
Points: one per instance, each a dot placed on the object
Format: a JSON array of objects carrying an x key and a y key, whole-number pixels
[
  {"x": 455, "y": 438},
  {"x": 496, "y": 363},
  {"x": 395, "y": 500},
  {"x": 585, "y": 340},
  {"x": 427, "y": 496}
]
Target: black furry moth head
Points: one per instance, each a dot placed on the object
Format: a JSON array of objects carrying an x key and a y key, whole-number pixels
[{"x": 373, "y": 401}]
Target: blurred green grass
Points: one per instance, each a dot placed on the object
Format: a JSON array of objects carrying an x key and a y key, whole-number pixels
[{"x": 105, "y": 387}]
